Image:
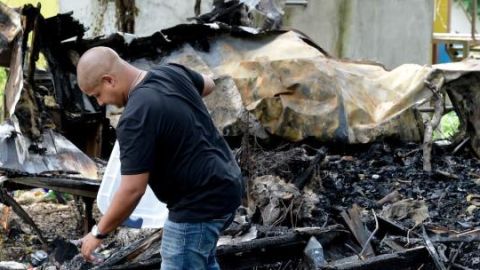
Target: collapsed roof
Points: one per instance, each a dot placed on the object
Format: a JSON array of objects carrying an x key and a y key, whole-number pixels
[{"x": 269, "y": 83}]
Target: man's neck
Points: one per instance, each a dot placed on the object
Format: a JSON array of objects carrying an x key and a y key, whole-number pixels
[{"x": 136, "y": 76}]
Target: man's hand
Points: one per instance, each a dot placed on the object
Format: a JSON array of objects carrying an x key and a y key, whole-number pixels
[
  {"x": 89, "y": 244},
  {"x": 124, "y": 202}
]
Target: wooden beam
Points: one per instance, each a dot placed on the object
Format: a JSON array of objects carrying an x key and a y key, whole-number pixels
[
  {"x": 355, "y": 224},
  {"x": 397, "y": 260}
]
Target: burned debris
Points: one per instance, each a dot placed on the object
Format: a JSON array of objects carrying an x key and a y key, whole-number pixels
[
  {"x": 340, "y": 166},
  {"x": 371, "y": 216}
]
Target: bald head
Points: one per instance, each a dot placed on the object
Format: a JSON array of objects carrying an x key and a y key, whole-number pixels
[
  {"x": 94, "y": 64},
  {"x": 102, "y": 74}
]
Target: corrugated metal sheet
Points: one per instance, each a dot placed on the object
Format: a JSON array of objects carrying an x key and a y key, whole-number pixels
[{"x": 53, "y": 154}]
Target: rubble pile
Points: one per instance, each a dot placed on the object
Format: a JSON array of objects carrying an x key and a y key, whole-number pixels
[
  {"x": 384, "y": 178},
  {"x": 367, "y": 206}
]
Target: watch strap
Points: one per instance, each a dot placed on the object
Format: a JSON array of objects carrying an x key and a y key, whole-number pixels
[{"x": 97, "y": 234}]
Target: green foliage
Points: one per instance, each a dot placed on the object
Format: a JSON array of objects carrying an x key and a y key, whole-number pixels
[
  {"x": 468, "y": 4},
  {"x": 449, "y": 125}
]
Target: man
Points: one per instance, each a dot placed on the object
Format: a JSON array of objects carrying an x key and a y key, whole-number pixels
[{"x": 168, "y": 141}]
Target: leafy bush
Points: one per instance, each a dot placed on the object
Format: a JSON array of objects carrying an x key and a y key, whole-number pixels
[{"x": 449, "y": 125}]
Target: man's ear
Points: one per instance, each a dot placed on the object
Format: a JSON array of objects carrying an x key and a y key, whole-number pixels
[{"x": 108, "y": 79}]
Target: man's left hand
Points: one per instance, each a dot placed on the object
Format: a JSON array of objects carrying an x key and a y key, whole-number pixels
[{"x": 89, "y": 244}]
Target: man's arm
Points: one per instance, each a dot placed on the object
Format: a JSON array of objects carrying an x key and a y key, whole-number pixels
[
  {"x": 208, "y": 85},
  {"x": 131, "y": 190}
]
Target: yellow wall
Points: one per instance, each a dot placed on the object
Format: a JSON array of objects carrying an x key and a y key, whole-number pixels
[
  {"x": 441, "y": 16},
  {"x": 49, "y": 7}
]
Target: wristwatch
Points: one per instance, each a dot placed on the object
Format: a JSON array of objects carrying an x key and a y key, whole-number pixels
[{"x": 97, "y": 234}]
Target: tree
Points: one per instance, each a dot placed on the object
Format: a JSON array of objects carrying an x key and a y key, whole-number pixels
[{"x": 468, "y": 4}]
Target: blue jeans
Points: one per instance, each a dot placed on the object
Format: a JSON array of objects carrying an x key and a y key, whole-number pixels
[{"x": 192, "y": 245}]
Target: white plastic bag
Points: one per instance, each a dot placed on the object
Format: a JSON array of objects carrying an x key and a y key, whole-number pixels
[{"x": 149, "y": 213}]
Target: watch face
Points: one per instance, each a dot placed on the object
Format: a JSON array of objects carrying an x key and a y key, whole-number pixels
[
  {"x": 95, "y": 230},
  {"x": 97, "y": 234}
]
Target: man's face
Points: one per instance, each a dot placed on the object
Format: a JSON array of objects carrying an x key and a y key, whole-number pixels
[{"x": 106, "y": 92}]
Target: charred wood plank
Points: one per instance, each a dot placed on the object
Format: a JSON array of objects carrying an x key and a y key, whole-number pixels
[
  {"x": 34, "y": 49},
  {"x": 394, "y": 261},
  {"x": 439, "y": 239},
  {"x": 273, "y": 249},
  {"x": 461, "y": 267},
  {"x": 132, "y": 251},
  {"x": 9, "y": 201},
  {"x": 460, "y": 145},
  {"x": 306, "y": 175},
  {"x": 197, "y": 7},
  {"x": 153, "y": 263},
  {"x": 392, "y": 244},
  {"x": 457, "y": 239},
  {"x": 94, "y": 140},
  {"x": 397, "y": 260},
  {"x": 88, "y": 220},
  {"x": 354, "y": 223},
  {"x": 223, "y": 12},
  {"x": 390, "y": 197},
  {"x": 454, "y": 257},
  {"x": 238, "y": 256},
  {"x": 432, "y": 109},
  {"x": 301, "y": 236},
  {"x": 446, "y": 174},
  {"x": 156, "y": 237},
  {"x": 392, "y": 228},
  {"x": 367, "y": 243},
  {"x": 432, "y": 251},
  {"x": 76, "y": 186}
]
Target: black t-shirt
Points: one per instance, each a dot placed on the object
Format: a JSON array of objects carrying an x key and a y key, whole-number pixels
[{"x": 167, "y": 131}]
